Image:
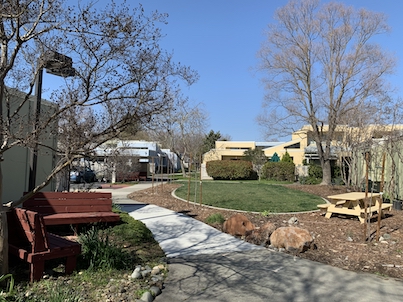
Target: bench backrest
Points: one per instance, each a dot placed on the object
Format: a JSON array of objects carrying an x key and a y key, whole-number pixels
[
  {"x": 27, "y": 230},
  {"x": 69, "y": 202}
]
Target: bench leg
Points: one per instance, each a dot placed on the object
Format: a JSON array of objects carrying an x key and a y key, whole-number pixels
[
  {"x": 36, "y": 270},
  {"x": 70, "y": 264}
]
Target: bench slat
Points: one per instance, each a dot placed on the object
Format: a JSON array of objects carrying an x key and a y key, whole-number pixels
[
  {"x": 69, "y": 208},
  {"x": 77, "y": 195},
  {"x": 58, "y": 208},
  {"x": 77, "y": 218},
  {"x": 33, "y": 228},
  {"x": 323, "y": 205},
  {"x": 386, "y": 206}
]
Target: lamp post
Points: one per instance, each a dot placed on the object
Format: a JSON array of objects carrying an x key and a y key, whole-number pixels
[{"x": 56, "y": 64}]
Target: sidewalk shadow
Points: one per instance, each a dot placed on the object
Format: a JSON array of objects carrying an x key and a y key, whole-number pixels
[
  {"x": 132, "y": 207},
  {"x": 264, "y": 275}
]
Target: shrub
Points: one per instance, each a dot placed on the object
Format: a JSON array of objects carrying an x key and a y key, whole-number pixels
[
  {"x": 315, "y": 171},
  {"x": 286, "y": 158},
  {"x": 10, "y": 282},
  {"x": 306, "y": 180},
  {"x": 336, "y": 172},
  {"x": 315, "y": 175},
  {"x": 98, "y": 252},
  {"x": 279, "y": 171},
  {"x": 215, "y": 218},
  {"x": 230, "y": 169}
]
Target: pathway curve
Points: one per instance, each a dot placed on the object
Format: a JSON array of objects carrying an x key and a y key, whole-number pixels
[{"x": 207, "y": 265}]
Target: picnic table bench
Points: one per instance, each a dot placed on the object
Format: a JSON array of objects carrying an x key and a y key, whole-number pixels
[
  {"x": 353, "y": 203},
  {"x": 29, "y": 241},
  {"x": 59, "y": 208}
]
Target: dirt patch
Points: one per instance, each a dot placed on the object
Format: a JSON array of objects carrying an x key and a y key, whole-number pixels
[{"x": 340, "y": 241}]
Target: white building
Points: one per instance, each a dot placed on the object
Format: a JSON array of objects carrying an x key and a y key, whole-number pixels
[
  {"x": 15, "y": 166},
  {"x": 142, "y": 156}
]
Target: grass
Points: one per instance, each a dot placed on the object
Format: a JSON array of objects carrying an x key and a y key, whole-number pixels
[{"x": 251, "y": 196}]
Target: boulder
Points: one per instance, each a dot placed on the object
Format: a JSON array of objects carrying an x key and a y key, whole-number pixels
[
  {"x": 261, "y": 236},
  {"x": 265, "y": 231},
  {"x": 238, "y": 225},
  {"x": 293, "y": 239}
]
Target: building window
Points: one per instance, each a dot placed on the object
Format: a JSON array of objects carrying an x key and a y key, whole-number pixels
[
  {"x": 294, "y": 146},
  {"x": 237, "y": 148}
]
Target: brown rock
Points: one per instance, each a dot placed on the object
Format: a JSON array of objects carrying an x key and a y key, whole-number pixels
[
  {"x": 238, "y": 225},
  {"x": 266, "y": 230},
  {"x": 261, "y": 236},
  {"x": 293, "y": 239}
]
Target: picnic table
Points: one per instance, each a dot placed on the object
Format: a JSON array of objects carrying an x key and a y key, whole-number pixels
[{"x": 353, "y": 204}]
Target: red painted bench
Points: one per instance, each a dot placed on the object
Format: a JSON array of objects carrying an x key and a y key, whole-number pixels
[
  {"x": 143, "y": 176},
  {"x": 29, "y": 241},
  {"x": 58, "y": 208}
]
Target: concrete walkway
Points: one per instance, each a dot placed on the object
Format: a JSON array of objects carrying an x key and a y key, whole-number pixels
[{"x": 207, "y": 265}]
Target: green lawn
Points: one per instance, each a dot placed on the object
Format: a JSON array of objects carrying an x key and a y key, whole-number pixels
[{"x": 250, "y": 196}]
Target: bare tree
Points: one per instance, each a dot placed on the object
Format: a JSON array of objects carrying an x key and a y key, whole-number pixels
[
  {"x": 321, "y": 65},
  {"x": 121, "y": 161},
  {"x": 257, "y": 158},
  {"x": 122, "y": 76},
  {"x": 182, "y": 130}
]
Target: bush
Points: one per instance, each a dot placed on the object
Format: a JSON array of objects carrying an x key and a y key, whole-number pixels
[
  {"x": 315, "y": 175},
  {"x": 315, "y": 171},
  {"x": 230, "y": 169},
  {"x": 286, "y": 158},
  {"x": 98, "y": 252},
  {"x": 279, "y": 171},
  {"x": 306, "y": 180},
  {"x": 215, "y": 218}
]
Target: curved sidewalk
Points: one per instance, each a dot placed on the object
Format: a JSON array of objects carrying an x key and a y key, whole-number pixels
[{"x": 207, "y": 265}]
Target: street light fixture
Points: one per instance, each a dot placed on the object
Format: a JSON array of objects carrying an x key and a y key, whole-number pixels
[{"x": 56, "y": 64}]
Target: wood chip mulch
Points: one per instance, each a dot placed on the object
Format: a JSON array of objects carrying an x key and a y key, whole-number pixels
[{"x": 340, "y": 241}]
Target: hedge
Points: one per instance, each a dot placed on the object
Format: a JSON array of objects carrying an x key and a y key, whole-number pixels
[
  {"x": 230, "y": 169},
  {"x": 280, "y": 171}
]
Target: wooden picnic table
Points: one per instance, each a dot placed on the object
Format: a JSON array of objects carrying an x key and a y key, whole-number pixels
[{"x": 353, "y": 203}]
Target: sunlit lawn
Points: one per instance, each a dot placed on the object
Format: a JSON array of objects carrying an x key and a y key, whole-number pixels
[{"x": 250, "y": 196}]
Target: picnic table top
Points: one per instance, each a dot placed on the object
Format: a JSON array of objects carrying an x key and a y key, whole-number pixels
[{"x": 353, "y": 196}]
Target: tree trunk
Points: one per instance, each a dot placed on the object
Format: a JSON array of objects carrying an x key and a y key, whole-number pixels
[
  {"x": 183, "y": 167},
  {"x": 327, "y": 173}
]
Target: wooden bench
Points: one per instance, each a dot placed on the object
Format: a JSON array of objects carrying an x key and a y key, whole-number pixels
[
  {"x": 59, "y": 208},
  {"x": 374, "y": 208},
  {"x": 326, "y": 205},
  {"x": 29, "y": 241},
  {"x": 143, "y": 176},
  {"x": 323, "y": 205}
]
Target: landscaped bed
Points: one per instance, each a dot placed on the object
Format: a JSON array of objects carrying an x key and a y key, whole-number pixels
[
  {"x": 109, "y": 256},
  {"x": 340, "y": 240}
]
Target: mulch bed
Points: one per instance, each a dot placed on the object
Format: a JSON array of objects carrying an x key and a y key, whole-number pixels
[{"x": 340, "y": 241}]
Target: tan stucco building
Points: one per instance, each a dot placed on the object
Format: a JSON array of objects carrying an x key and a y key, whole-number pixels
[
  {"x": 234, "y": 150},
  {"x": 301, "y": 146}
]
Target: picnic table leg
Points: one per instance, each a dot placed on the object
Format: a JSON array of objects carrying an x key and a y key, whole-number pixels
[
  {"x": 329, "y": 211},
  {"x": 36, "y": 270},
  {"x": 357, "y": 210}
]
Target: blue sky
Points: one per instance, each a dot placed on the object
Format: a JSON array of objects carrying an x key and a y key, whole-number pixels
[{"x": 220, "y": 39}]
